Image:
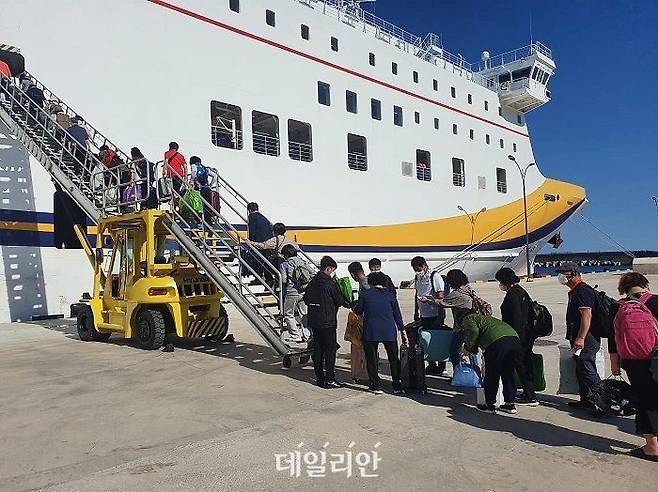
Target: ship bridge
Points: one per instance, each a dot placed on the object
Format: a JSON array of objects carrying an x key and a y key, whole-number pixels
[{"x": 520, "y": 77}]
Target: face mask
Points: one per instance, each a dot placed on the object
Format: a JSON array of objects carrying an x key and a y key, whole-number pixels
[
  {"x": 562, "y": 278},
  {"x": 421, "y": 274},
  {"x": 502, "y": 287}
]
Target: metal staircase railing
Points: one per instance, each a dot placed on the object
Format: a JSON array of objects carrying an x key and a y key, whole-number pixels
[{"x": 210, "y": 238}]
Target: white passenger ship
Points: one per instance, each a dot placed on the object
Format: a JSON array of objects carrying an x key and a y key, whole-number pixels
[{"x": 364, "y": 139}]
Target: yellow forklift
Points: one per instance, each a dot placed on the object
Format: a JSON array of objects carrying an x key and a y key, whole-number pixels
[{"x": 145, "y": 289}]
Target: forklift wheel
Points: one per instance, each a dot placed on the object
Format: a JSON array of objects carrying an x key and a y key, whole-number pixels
[
  {"x": 150, "y": 329},
  {"x": 86, "y": 330}
]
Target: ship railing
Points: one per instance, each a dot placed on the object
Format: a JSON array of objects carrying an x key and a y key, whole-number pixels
[
  {"x": 226, "y": 137},
  {"x": 357, "y": 161},
  {"x": 349, "y": 13},
  {"x": 266, "y": 144},
  {"x": 300, "y": 151},
  {"x": 512, "y": 56}
]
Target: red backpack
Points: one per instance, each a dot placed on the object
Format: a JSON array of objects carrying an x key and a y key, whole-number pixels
[{"x": 636, "y": 329}]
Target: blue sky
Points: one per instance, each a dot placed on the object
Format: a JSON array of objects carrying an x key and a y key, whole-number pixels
[{"x": 601, "y": 128}]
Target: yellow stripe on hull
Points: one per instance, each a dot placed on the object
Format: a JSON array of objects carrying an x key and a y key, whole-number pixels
[{"x": 494, "y": 225}]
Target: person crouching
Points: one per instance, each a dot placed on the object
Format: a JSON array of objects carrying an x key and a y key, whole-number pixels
[
  {"x": 381, "y": 322},
  {"x": 502, "y": 352}
]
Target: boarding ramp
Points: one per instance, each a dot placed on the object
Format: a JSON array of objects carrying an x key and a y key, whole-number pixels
[{"x": 214, "y": 242}]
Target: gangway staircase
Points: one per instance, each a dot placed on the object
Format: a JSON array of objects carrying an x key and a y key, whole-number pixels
[{"x": 211, "y": 240}]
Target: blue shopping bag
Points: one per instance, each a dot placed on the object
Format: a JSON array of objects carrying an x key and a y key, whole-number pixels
[{"x": 466, "y": 375}]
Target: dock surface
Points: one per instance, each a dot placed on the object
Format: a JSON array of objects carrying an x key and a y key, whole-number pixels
[{"x": 108, "y": 416}]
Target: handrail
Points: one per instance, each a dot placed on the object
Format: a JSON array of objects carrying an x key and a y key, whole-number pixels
[
  {"x": 206, "y": 235},
  {"x": 208, "y": 230}
]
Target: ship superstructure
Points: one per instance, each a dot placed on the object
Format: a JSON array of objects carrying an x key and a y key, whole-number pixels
[{"x": 364, "y": 139}]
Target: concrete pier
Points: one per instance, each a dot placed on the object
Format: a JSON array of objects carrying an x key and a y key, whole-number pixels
[{"x": 108, "y": 416}]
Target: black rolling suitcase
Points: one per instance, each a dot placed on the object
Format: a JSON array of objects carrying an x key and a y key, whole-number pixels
[{"x": 412, "y": 369}]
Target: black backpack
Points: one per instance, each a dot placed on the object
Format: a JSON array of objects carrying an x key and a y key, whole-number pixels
[
  {"x": 542, "y": 319},
  {"x": 602, "y": 319}
]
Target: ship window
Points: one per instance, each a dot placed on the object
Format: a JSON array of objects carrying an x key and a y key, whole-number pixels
[
  {"x": 394, "y": 68},
  {"x": 371, "y": 59},
  {"x": 524, "y": 73},
  {"x": 545, "y": 78},
  {"x": 505, "y": 77},
  {"x": 234, "y": 5},
  {"x": 423, "y": 165},
  {"x": 334, "y": 43},
  {"x": 265, "y": 130},
  {"x": 398, "y": 117},
  {"x": 534, "y": 73},
  {"x": 502, "y": 143},
  {"x": 514, "y": 147},
  {"x": 417, "y": 117},
  {"x": 435, "y": 84},
  {"x": 324, "y": 93},
  {"x": 471, "y": 134},
  {"x": 519, "y": 119},
  {"x": 500, "y": 111},
  {"x": 469, "y": 98},
  {"x": 306, "y": 32},
  {"x": 501, "y": 180},
  {"x": 351, "y": 102},
  {"x": 454, "y": 128},
  {"x": 415, "y": 76},
  {"x": 458, "y": 174},
  {"x": 300, "y": 141},
  {"x": 226, "y": 125},
  {"x": 436, "y": 123},
  {"x": 270, "y": 18},
  {"x": 486, "y": 105},
  {"x": 376, "y": 109},
  {"x": 453, "y": 92},
  {"x": 487, "y": 138},
  {"x": 357, "y": 152}
]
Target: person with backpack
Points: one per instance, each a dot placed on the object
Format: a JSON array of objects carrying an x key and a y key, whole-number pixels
[
  {"x": 382, "y": 320},
  {"x": 323, "y": 299},
  {"x": 295, "y": 277},
  {"x": 430, "y": 314},
  {"x": 201, "y": 180},
  {"x": 632, "y": 347},
  {"x": 462, "y": 301},
  {"x": 585, "y": 341},
  {"x": 516, "y": 311}
]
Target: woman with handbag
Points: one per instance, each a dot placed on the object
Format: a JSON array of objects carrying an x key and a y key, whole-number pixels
[{"x": 633, "y": 348}]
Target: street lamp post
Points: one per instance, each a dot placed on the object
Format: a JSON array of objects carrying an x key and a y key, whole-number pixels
[
  {"x": 473, "y": 219},
  {"x": 524, "y": 172},
  {"x": 655, "y": 200}
]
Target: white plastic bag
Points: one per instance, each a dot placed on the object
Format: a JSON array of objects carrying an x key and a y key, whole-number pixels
[
  {"x": 500, "y": 399},
  {"x": 568, "y": 380}
]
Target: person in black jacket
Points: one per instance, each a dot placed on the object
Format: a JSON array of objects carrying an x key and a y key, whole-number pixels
[
  {"x": 635, "y": 287},
  {"x": 258, "y": 227},
  {"x": 323, "y": 298},
  {"x": 516, "y": 312}
]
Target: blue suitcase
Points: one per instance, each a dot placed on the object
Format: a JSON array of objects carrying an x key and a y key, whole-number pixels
[{"x": 436, "y": 344}]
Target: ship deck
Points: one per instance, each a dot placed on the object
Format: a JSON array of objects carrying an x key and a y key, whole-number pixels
[{"x": 85, "y": 416}]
